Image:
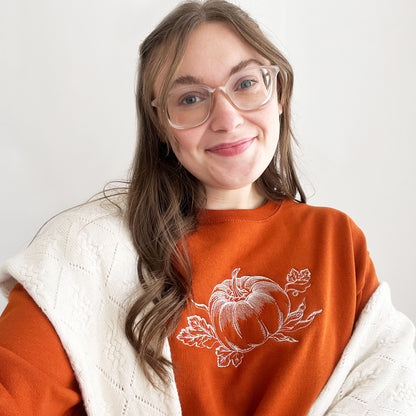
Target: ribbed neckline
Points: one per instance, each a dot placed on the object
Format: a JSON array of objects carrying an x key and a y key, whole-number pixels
[{"x": 212, "y": 216}]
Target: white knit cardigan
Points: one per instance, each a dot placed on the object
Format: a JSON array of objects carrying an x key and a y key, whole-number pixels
[{"x": 81, "y": 271}]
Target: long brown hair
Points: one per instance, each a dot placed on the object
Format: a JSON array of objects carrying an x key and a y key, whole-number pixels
[{"x": 163, "y": 197}]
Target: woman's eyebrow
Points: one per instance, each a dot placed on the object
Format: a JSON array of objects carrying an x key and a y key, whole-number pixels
[
  {"x": 191, "y": 80},
  {"x": 241, "y": 65},
  {"x": 187, "y": 80}
]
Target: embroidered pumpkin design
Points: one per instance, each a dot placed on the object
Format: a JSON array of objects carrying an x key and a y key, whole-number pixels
[{"x": 245, "y": 312}]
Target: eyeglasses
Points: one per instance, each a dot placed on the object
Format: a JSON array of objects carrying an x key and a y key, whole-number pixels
[{"x": 249, "y": 89}]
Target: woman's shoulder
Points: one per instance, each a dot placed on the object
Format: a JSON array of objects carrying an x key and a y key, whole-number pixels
[
  {"x": 82, "y": 239},
  {"x": 321, "y": 220},
  {"x": 88, "y": 228},
  {"x": 306, "y": 211},
  {"x": 105, "y": 212}
]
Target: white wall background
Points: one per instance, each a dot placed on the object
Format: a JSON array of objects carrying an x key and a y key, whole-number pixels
[{"x": 67, "y": 117}]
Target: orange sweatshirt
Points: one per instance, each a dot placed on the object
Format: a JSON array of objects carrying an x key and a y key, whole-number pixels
[{"x": 276, "y": 293}]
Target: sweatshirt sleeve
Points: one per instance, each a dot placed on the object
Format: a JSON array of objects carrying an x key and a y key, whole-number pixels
[{"x": 36, "y": 377}]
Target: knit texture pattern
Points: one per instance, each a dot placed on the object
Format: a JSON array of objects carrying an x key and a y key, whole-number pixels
[{"x": 81, "y": 271}]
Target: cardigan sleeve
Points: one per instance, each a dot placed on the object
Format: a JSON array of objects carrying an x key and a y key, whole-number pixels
[{"x": 36, "y": 377}]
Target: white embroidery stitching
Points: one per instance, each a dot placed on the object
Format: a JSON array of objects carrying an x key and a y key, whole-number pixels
[{"x": 247, "y": 311}]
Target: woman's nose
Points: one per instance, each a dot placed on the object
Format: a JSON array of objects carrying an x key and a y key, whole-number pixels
[{"x": 224, "y": 116}]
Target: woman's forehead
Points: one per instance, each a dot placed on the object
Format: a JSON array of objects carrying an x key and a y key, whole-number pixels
[{"x": 214, "y": 50}]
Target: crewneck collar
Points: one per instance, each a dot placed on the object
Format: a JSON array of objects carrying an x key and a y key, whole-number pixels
[{"x": 213, "y": 216}]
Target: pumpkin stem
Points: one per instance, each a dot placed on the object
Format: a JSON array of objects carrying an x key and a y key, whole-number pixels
[{"x": 234, "y": 286}]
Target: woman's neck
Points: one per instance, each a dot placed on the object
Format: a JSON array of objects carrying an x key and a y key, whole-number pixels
[{"x": 243, "y": 198}]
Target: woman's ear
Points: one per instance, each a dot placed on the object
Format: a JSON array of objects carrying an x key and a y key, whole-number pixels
[{"x": 280, "y": 109}]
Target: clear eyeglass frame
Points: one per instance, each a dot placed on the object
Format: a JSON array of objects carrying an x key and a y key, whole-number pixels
[{"x": 269, "y": 72}]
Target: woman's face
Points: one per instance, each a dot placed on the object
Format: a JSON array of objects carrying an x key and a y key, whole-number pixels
[{"x": 232, "y": 148}]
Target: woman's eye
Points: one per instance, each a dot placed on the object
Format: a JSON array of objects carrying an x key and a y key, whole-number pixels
[
  {"x": 247, "y": 83},
  {"x": 191, "y": 99}
]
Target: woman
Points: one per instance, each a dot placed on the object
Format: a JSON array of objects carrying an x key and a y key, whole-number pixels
[{"x": 207, "y": 289}]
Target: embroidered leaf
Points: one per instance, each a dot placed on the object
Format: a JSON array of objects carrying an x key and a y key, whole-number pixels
[
  {"x": 295, "y": 316},
  {"x": 298, "y": 276},
  {"x": 225, "y": 357},
  {"x": 198, "y": 333},
  {"x": 298, "y": 281},
  {"x": 195, "y": 321},
  {"x": 282, "y": 337},
  {"x": 304, "y": 323}
]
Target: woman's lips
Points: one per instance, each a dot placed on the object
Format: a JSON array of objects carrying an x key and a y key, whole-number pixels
[{"x": 231, "y": 149}]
